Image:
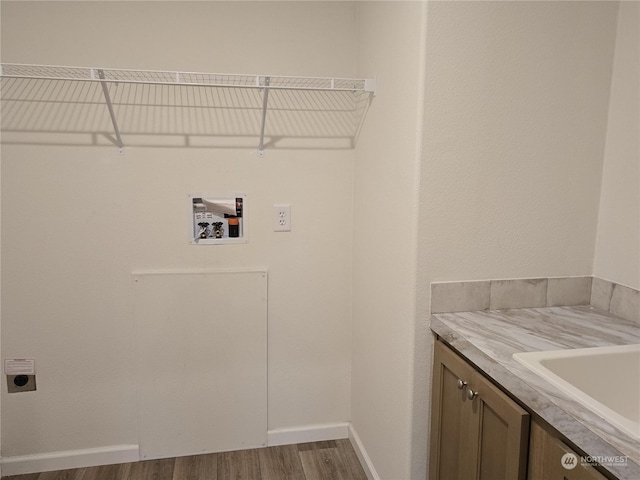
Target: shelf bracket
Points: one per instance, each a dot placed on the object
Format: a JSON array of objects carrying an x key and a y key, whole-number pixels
[
  {"x": 107, "y": 98},
  {"x": 265, "y": 101}
]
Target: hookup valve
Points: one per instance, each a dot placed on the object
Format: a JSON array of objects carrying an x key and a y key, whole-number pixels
[
  {"x": 218, "y": 229},
  {"x": 204, "y": 230}
]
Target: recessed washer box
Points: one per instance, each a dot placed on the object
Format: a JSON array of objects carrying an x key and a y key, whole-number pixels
[{"x": 217, "y": 219}]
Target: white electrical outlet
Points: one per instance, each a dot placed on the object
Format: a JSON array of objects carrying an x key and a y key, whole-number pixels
[{"x": 282, "y": 218}]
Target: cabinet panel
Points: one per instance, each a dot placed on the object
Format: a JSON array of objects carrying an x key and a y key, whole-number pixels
[
  {"x": 546, "y": 459},
  {"x": 503, "y": 434},
  {"x": 473, "y": 437},
  {"x": 450, "y": 416},
  {"x": 493, "y": 445},
  {"x": 451, "y": 433}
]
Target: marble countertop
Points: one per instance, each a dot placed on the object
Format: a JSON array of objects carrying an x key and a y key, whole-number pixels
[{"x": 488, "y": 339}]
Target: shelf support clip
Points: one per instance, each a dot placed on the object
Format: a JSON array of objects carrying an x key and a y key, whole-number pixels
[
  {"x": 265, "y": 101},
  {"x": 112, "y": 113}
]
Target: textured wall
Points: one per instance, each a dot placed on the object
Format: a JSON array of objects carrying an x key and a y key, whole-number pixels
[
  {"x": 516, "y": 112},
  {"x": 385, "y": 213},
  {"x": 617, "y": 255},
  {"x": 78, "y": 219},
  {"x": 503, "y": 179},
  {"x": 515, "y": 120}
]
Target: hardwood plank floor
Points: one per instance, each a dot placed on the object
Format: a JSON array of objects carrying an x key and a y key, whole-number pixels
[
  {"x": 325, "y": 463},
  {"x": 196, "y": 467},
  {"x": 328, "y": 460},
  {"x": 281, "y": 462}
]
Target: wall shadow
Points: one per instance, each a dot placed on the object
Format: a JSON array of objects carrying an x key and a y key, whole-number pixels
[{"x": 74, "y": 113}]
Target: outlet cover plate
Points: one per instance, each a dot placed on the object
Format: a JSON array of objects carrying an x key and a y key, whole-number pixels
[{"x": 282, "y": 217}]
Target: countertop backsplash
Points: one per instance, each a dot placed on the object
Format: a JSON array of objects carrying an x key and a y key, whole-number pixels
[{"x": 501, "y": 294}]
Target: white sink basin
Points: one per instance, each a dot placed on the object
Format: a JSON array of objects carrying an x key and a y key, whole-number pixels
[{"x": 605, "y": 379}]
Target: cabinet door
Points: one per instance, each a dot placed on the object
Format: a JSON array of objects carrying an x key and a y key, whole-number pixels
[
  {"x": 450, "y": 416},
  {"x": 483, "y": 437},
  {"x": 547, "y": 460},
  {"x": 501, "y": 430}
]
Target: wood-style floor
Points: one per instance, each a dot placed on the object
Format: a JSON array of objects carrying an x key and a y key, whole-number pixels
[{"x": 329, "y": 460}]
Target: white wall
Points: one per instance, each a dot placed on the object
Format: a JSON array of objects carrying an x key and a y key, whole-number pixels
[
  {"x": 617, "y": 255},
  {"x": 516, "y": 112},
  {"x": 503, "y": 180},
  {"x": 515, "y": 120},
  {"x": 77, "y": 220},
  {"x": 385, "y": 215}
]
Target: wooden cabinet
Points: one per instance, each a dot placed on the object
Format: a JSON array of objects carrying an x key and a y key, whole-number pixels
[
  {"x": 548, "y": 454},
  {"x": 477, "y": 432}
]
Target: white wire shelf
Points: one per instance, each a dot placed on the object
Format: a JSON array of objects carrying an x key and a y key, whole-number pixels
[
  {"x": 34, "y": 96},
  {"x": 157, "y": 77}
]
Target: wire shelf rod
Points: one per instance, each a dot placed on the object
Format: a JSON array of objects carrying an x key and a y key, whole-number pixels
[
  {"x": 264, "y": 118},
  {"x": 112, "y": 113}
]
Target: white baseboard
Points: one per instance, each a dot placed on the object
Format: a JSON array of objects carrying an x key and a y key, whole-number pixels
[
  {"x": 88, "y": 457},
  {"x": 307, "y": 433},
  {"x": 365, "y": 461}
]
